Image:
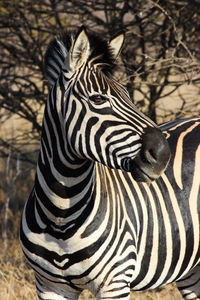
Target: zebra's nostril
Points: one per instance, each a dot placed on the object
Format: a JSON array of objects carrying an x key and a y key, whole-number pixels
[{"x": 150, "y": 156}]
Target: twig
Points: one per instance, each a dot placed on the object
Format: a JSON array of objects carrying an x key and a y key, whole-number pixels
[{"x": 10, "y": 182}]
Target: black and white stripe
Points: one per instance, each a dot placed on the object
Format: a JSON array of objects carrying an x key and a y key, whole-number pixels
[{"x": 102, "y": 215}]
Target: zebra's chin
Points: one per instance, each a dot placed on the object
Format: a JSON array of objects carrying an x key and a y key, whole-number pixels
[
  {"x": 138, "y": 173},
  {"x": 141, "y": 175}
]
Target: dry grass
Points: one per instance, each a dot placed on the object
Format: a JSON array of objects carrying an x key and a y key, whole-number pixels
[
  {"x": 16, "y": 280},
  {"x": 17, "y": 283}
]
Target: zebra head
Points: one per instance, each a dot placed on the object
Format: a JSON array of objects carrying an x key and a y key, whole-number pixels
[{"x": 100, "y": 122}]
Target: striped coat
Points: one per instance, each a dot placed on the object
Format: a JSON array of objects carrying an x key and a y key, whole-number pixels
[{"x": 90, "y": 222}]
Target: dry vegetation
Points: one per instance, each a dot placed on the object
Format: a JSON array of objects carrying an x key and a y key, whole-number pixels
[{"x": 16, "y": 280}]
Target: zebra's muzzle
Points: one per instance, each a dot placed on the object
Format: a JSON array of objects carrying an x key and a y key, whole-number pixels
[{"x": 151, "y": 160}]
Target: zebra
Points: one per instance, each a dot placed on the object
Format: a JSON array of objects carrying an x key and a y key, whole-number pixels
[{"x": 105, "y": 214}]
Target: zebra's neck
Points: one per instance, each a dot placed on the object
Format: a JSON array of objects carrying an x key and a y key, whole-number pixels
[
  {"x": 64, "y": 193},
  {"x": 65, "y": 183}
]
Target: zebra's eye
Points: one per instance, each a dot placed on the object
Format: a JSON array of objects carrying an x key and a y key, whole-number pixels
[{"x": 97, "y": 99}]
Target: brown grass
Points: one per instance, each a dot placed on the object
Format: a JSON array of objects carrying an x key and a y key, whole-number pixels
[
  {"x": 17, "y": 283},
  {"x": 16, "y": 280}
]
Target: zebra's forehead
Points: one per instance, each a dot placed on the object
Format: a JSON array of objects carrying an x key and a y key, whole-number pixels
[{"x": 98, "y": 83}]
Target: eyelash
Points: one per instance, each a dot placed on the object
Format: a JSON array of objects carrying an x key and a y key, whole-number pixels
[{"x": 98, "y": 99}]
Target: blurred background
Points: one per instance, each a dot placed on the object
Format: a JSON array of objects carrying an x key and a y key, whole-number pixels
[{"x": 159, "y": 65}]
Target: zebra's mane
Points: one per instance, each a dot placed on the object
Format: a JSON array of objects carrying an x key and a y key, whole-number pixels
[{"x": 59, "y": 48}]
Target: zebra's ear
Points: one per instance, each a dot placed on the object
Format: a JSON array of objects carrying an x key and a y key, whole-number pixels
[
  {"x": 80, "y": 49},
  {"x": 116, "y": 44}
]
